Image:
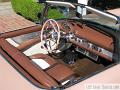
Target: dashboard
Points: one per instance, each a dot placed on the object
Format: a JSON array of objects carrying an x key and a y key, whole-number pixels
[{"x": 88, "y": 41}]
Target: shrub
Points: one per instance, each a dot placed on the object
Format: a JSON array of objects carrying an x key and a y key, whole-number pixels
[{"x": 30, "y": 9}]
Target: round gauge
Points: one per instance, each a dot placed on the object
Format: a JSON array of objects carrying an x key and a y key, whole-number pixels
[{"x": 66, "y": 26}]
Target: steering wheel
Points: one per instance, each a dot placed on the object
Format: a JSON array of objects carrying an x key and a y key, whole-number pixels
[{"x": 50, "y": 35}]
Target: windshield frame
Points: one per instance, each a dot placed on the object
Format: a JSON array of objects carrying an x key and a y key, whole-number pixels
[{"x": 74, "y": 5}]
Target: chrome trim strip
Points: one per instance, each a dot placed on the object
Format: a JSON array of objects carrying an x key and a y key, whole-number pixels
[
  {"x": 61, "y": 3},
  {"x": 102, "y": 13}
]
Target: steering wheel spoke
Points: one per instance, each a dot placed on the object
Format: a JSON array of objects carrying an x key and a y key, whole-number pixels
[{"x": 50, "y": 33}]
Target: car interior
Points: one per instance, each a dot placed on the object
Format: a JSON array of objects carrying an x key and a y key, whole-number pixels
[{"x": 60, "y": 52}]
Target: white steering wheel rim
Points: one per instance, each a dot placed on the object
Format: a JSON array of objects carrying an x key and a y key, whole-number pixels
[{"x": 58, "y": 32}]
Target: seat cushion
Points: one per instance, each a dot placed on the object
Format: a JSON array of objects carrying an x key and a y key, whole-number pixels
[
  {"x": 35, "y": 49},
  {"x": 41, "y": 63},
  {"x": 52, "y": 67},
  {"x": 40, "y": 57},
  {"x": 60, "y": 72}
]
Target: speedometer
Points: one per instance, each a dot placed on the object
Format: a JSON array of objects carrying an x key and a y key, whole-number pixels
[{"x": 66, "y": 26}]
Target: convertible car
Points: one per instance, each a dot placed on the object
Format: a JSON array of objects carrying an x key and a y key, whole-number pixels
[{"x": 61, "y": 52}]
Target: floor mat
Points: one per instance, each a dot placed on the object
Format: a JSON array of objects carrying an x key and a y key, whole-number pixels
[{"x": 84, "y": 67}]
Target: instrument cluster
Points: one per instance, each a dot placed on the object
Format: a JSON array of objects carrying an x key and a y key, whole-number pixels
[{"x": 65, "y": 26}]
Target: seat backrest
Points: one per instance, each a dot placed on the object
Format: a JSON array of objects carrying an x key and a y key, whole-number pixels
[{"x": 21, "y": 32}]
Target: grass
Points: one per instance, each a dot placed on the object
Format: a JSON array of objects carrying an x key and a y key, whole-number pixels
[{"x": 30, "y": 9}]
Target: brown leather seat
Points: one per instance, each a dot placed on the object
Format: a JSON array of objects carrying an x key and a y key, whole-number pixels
[
  {"x": 56, "y": 70},
  {"x": 23, "y": 61},
  {"x": 48, "y": 77}
]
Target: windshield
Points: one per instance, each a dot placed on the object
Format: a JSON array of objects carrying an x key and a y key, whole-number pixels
[
  {"x": 101, "y": 19},
  {"x": 85, "y": 14}
]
